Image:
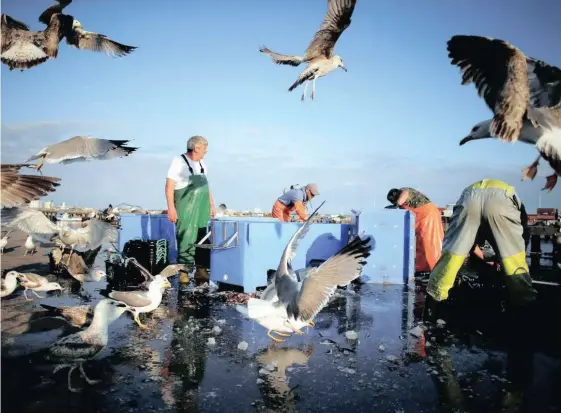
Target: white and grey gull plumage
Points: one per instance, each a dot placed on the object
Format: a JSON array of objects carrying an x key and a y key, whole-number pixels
[
  {"x": 18, "y": 190},
  {"x": 300, "y": 301},
  {"x": 524, "y": 94},
  {"x": 82, "y": 148},
  {"x": 319, "y": 54}
]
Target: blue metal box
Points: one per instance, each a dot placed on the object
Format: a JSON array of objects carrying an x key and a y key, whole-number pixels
[
  {"x": 392, "y": 260},
  {"x": 244, "y": 248},
  {"x": 145, "y": 227}
]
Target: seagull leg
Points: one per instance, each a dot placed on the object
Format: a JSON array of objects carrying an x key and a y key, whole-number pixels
[
  {"x": 70, "y": 388},
  {"x": 36, "y": 294},
  {"x": 551, "y": 180},
  {"x": 311, "y": 324},
  {"x": 299, "y": 332},
  {"x": 40, "y": 164},
  {"x": 25, "y": 295},
  {"x": 531, "y": 171},
  {"x": 304, "y": 93},
  {"x": 137, "y": 319},
  {"x": 70, "y": 255},
  {"x": 313, "y": 89},
  {"x": 88, "y": 380},
  {"x": 60, "y": 367},
  {"x": 278, "y": 340}
]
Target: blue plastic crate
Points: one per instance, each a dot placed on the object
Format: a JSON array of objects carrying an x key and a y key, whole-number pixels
[
  {"x": 259, "y": 244},
  {"x": 392, "y": 260},
  {"x": 147, "y": 227}
]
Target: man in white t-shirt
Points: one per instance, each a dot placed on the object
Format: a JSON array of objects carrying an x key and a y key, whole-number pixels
[{"x": 189, "y": 200}]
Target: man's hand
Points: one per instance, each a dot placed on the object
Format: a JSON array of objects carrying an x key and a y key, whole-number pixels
[
  {"x": 212, "y": 211},
  {"x": 172, "y": 215}
]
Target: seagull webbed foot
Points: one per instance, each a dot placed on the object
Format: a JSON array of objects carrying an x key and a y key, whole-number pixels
[{"x": 551, "y": 181}]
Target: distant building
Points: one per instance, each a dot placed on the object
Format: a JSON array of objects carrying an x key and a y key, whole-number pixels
[
  {"x": 63, "y": 205},
  {"x": 48, "y": 205},
  {"x": 35, "y": 204}
]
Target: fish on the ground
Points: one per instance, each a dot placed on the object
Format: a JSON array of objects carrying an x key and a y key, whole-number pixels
[
  {"x": 524, "y": 94},
  {"x": 319, "y": 54},
  {"x": 23, "y": 49}
]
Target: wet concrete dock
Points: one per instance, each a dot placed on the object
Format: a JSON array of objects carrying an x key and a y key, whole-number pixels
[{"x": 468, "y": 364}]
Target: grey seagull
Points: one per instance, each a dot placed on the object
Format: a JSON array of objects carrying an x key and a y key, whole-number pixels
[
  {"x": 319, "y": 54},
  {"x": 524, "y": 94}
]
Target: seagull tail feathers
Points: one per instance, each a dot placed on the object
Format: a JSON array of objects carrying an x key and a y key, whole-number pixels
[{"x": 306, "y": 75}]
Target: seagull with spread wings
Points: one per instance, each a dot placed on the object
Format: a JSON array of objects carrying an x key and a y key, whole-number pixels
[
  {"x": 24, "y": 49},
  {"x": 90, "y": 237},
  {"x": 82, "y": 148},
  {"x": 300, "y": 301},
  {"x": 524, "y": 94},
  {"x": 319, "y": 54},
  {"x": 22, "y": 189}
]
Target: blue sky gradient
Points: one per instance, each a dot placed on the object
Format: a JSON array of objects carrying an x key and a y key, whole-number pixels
[{"x": 394, "y": 119}]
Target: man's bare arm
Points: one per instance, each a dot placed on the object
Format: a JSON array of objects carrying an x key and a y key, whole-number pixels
[{"x": 170, "y": 187}]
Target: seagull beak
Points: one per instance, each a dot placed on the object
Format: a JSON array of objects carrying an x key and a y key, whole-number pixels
[
  {"x": 472, "y": 138},
  {"x": 167, "y": 284},
  {"x": 343, "y": 67}
]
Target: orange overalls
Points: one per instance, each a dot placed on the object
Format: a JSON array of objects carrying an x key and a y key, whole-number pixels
[{"x": 285, "y": 205}]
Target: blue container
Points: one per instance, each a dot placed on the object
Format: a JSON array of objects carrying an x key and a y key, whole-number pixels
[
  {"x": 259, "y": 244},
  {"x": 147, "y": 227},
  {"x": 392, "y": 259}
]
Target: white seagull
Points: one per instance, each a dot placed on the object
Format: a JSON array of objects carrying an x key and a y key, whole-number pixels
[
  {"x": 73, "y": 350},
  {"x": 9, "y": 283},
  {"x": 299, "y": 302},
  {"x": 319, "y": 54},
  {"x": 90, "y": 237},
  {"x": 4, "y": 242},
  {"x": 524, "y": 94},
  {"x": 82, "y": 148},
  {"x": 142, "y": 301},
  {"x": 29, "y": 246}
]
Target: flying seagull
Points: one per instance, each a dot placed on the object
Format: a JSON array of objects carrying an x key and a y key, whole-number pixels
[
  {"x": 299, "y": 302},
  {"x": 524, "y": 94},
  {"x": 319, "y": 54},
  {"x": 24, "y": 49},
  {"x": 21, "y": 189},
  {"x": 82, "y": 148},
  {"x": 90, "y": 237}
]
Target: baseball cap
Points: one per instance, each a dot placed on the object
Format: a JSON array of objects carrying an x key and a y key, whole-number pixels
[{"x": 313, "y": 188}]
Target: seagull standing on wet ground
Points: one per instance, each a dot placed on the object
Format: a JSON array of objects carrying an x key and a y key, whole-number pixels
[
  {"x": 24, "y": 49},
  {"x": 9, "y": 283},
  {"x": 300, "y": 301},
  {"x": 35, "y": 282},
  {"x": 319, "y": 54},
  {"x": 524, "y": 94},
  {"x": 73, "y": 350}
]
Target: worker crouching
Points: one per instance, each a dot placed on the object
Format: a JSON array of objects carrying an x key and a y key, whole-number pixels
[
  {"x": 428, "y": 225},
  {"x": 294, "y": 200},
  {"x": 488, "y": 207}
]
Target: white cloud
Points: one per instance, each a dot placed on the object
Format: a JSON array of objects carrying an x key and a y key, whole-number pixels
[{"x": 249, "y": 165}]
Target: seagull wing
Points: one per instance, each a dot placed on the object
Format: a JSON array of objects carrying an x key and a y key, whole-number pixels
[
  {"x": 132, "y": 298},
  {"x": 337, "y": 19},
  {"x": 321, "y": 282},
  {"x": 499, "y": 71},
  {"x": 12, "y": 23},
  {"x": 282, "y": 59},
  {"x": 286, "y": 285},
  {"x": 96, "y": 42},
  {"x": 147, "y": 274},
  {"x": 75, "y": 346},
  {"x": 545, "y": 84},
  {"x": 34, "y": 223},
  {"x": 21, "y": 189},
  {"x": 45, "y": 17},
  {"x": 80, "y": 148},
  {"x": 94, "y": 234}
]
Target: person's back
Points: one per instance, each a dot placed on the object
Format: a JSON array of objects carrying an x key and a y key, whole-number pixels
[{"x": 290, "y": 197}]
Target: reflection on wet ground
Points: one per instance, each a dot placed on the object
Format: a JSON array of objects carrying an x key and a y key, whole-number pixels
[{"x": 467, "y": 365}]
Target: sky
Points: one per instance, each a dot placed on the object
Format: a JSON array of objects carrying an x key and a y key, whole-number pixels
[{"x": 393, "y": 120}]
